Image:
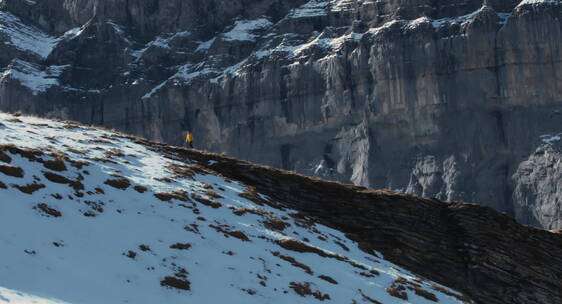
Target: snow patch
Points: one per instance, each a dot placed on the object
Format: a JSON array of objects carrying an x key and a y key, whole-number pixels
[
  {"x": 32, "y": 76},
  {"x": 161, "y": 42},
  {"x": 538, "y": 2},
  {"x": 24, "y": 37},
  {"x": 243, "y": 30},
  {"x": 10, "y": 296},
  {"x": 205, "y": 45},
  {"x": 550, "y": 139}
]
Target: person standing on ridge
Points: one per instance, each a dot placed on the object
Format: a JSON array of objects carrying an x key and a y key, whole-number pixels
[{"x": 189, "y": 139}]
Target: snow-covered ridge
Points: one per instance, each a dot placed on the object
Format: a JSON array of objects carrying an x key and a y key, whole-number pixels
[{"x": 93, "y": 216}]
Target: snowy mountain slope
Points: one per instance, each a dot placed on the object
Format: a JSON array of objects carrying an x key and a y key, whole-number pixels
[
  {"x": 410, "y": 95},
  {"x": 91, "y": 216}
]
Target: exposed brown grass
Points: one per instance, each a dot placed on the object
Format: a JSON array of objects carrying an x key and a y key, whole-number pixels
[
  {"x": 3, "y": 186},
  {"x": 30, "y": 188},
  {"x": 293, "y": 262},
  {"x": 130, "y": 254},
  {"x": 144, "y": 247},
  {"x": 78, "y": 164},
  {"x": 235, "y": 233},
  {"x": 114, "y": 152},
  {"x": 12, "y": 171},
  {"x": 165, "y": 180},
  {"x": 251, "y": 194},
  {"x": 205, "y": 201},
  {"x": 76, "y": 151},
  {"x": 242, "y": 211},
  {"x": 449, "y": 293},
  {"x": 166, "y": 197},
  {"x": 328, "y": 279},
  {"x": 297, "y": 246},
  {"x": 181, "y": 246},
  {"x": 5, "y": 157},
  {"x": 426, "y": 294},
  {"x": 303, "y": 289},
  {"x": 119, "y": 183},
  {"x": 342, "y": 245},
  {"x": 97, "y": 206},
  {"x": 212, "y": 194},
  {"x": 48, "y": 210},
  {"x": 55, "y": 165},
  {"x": 59, "y": 179},
  {"x": 103, "y": 160},
  {"x": 140, "y": 189},
  {"x": 173, "y": 282},
  {"x": 30, "y": 154},
  {"x": 274, "y": 223},
  {"x": 181, "y": 171},
  {"x": 368, "y": 299},
  {"x": 239, "y": 235},
  {"x": 397, "y": 291}
]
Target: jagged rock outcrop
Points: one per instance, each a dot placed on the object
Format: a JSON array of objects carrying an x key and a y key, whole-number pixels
[
  {"x": 439, "y": 100},
  {"x": 538, "y": 187}
]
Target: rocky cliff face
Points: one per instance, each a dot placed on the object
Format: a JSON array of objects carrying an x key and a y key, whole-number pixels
[{"x": 445, "y": 100}]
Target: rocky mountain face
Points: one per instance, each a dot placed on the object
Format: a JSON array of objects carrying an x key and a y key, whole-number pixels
[{"x": 447, "y": 99}]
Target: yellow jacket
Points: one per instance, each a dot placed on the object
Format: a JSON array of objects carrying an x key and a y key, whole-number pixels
[{"x": 189, "y": 137}]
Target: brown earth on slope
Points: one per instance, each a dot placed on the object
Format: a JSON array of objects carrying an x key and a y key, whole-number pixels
[{"x": 471, "y": 248}]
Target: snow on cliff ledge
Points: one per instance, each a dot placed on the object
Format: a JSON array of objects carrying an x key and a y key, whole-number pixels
[{"x": 92, "y": 216}]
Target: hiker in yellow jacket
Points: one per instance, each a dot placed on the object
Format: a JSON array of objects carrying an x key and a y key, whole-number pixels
[{"x": 189, "y": 139}]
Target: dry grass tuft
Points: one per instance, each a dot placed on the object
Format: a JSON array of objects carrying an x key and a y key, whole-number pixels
[
  {"x": 398, "y": 291},
  {"x": 59, "y": 179},
  {"x": 181, "y": 246},
  {"x": 29, "y": 189},
  {"x": 212, "y": 194},
  {"x": 426, "y": 294},
  {"x": 297, "y": 246},
  {"x": 293, "y": 262},
  {"x": 166, "y": 197},
  {"x": 459, "y": 297},
  {"x": 144, "y": 247},
  {"x": 303, "y": 289},
  {"x": 5, "y": 157},
  {"x": 55, "y": 165},
  {"x": 48, "y": 210},
  {"x": 119, "y": 183},
  {"x": 328, "y": 279},
  {"x": 205, "y": 201},
  {"x": 251, "y": 194},
  {"x": 140, "y": 189},
  {"x": 130, "y": 254},
  {"x": 181, "y": 171},
  {"x": 274, "y": 223},
  {"x": 173, "y": 282},
  {"x": 242, "y": 211},
  {"x": 12, "y": 171}
]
